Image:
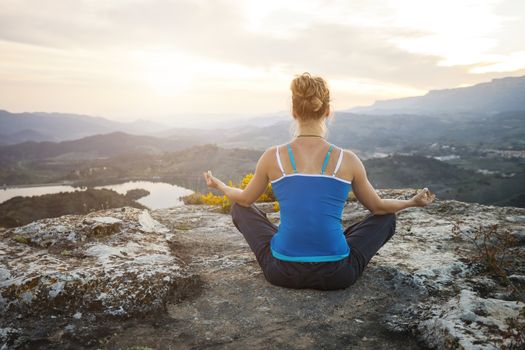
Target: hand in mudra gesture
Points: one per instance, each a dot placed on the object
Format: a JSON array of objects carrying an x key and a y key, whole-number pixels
[
  {"x": 211, "y": 181},
  {"x": 423, "y": 197}
]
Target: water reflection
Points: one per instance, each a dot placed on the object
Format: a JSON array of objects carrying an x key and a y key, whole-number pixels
[{"x": 162, "y": 194}]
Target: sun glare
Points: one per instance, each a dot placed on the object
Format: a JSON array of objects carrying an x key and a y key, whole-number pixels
[{"x": 167, "y": 74}]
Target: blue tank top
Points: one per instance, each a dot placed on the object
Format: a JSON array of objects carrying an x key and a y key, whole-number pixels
[{"x": 311, "y": 206}]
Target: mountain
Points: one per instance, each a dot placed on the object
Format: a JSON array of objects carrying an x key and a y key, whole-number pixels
[
  {"x": 143, "y": 127},
  {"x": 20, "y": 127},
  {"x": 97, "y": 146},
  {"x": 498, "y": 95},
  {"x": 228, "y": 129},
  {"x": 24, "y": 135},
  {"x": 400, "y": 132}
]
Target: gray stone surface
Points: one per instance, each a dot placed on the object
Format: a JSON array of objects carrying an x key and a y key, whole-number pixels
[{"x": 184, "y": 278}]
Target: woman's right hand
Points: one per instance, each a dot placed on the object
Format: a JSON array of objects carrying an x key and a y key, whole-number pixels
[
  {"x": 212, "y": 181},
  {"x": 423, "y": 197}
]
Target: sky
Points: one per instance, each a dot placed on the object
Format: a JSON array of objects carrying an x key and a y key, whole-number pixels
[{"x": 174, "y": 60}]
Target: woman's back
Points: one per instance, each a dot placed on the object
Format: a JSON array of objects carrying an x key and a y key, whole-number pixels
[
  {"x": 311, "y": 207},
  {"x": 309, "y": 154}
]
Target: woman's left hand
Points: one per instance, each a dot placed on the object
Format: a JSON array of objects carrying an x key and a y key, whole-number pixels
[
  {"x": 212, "y": 181},
  {"x": 423, "y": 197}
]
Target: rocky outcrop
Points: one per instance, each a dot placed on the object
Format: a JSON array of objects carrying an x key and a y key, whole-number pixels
[
  {"x": 184, "y": 277},
  {"x": 110, "y": 263},
  {"x": 442, "y": 250}
]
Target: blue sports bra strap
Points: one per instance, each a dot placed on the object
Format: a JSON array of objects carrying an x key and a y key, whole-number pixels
[
  {"x": 291, "y": 158},
  {"x": 326, "y": 158}
]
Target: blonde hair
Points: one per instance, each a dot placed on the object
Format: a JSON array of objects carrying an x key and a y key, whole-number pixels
[{"x": 310, "y": 97}]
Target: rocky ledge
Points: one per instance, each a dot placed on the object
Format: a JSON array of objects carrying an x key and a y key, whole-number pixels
[{"x": 453, "y": 276}]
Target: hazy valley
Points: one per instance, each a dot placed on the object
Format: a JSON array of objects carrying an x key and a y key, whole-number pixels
[{"x": 473, "y": 155}]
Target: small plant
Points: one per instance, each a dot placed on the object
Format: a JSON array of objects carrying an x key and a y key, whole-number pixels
[
  {"x": 225, "y": 203},
  {"x": 492, "y": 247},
  {"x": 352, "y": 197},
  {"x": 194, "y": 198}
]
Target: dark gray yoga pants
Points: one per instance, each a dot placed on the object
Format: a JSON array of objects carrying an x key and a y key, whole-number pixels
[{"x": 365, "y": 238}]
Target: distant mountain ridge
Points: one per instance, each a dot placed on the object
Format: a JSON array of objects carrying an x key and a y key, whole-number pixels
[
  {"x": 96, "y": 146},
  {"x": 39, "y": 126},
  {"x": 56, "y": 127},
  {"x": 504, "y": 96},
  {"x": 496, "y": 96}
]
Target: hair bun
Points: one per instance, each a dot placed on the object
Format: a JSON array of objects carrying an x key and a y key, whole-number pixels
[{"x": 310, "y": 96}]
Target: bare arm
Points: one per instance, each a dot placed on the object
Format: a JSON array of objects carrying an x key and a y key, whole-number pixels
[
  {"x": 366, "y": 194},
  {"x": 244, "y": 197}
]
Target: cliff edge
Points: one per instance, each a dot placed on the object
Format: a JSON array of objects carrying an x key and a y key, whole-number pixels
[{"x": 453, "y": 276}]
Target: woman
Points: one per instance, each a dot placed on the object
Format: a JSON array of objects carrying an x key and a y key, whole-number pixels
[{"x": 311, "y": 179}]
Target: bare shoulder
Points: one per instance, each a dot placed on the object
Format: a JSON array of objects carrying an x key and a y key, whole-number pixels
[
  {"x": 349, "y": 153},
  {"x": 267, "y": 163},
  {"x": 349, "y": 157},
  {"x": 350, "y": 164},
  {"x": 268, "y": 155},
  {"x": 270, "y": 150}
]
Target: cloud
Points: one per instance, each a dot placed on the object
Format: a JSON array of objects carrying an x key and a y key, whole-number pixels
[{"x": 371, "y": 49}]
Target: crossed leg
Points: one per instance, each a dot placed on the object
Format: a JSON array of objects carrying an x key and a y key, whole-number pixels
[
  {"x": 367, "y": 236},
  {"x": 256, "y": 228}
]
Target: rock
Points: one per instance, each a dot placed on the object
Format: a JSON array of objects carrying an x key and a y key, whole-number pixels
[
  {"x": 519, "y": 235},
  {"x": 119, "y": 264},
  {"x": 519, "y": 279},
  {"x": 148, "y": 224},
  {"x": 516, "y": 218},
  {"x": 185, "y": 277},
  {"x": 470, "y": 322},
  {"x": 7, "y": 335}
]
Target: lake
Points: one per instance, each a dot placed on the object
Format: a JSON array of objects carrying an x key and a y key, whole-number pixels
[{"x": 162, "y": 195}]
